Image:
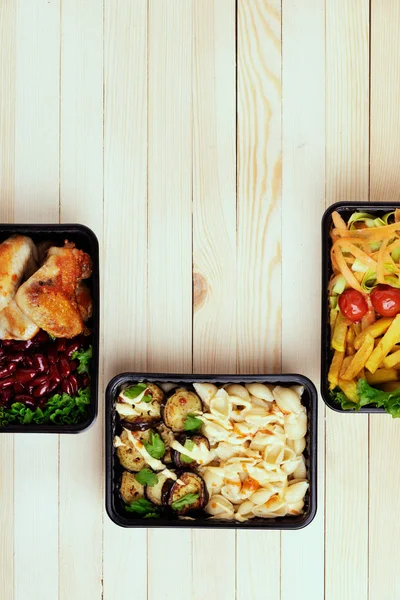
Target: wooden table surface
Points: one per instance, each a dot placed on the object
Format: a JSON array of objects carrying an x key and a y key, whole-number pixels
[{"x": 201, "y": 140}]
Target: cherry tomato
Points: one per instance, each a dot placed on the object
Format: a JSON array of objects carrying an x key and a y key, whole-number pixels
[
  {"x": 353, "y": 305},
  {"x": 386, "y": 300}
]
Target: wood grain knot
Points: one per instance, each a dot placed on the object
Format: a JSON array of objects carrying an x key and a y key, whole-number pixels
[{"x": 200, "y": 290}]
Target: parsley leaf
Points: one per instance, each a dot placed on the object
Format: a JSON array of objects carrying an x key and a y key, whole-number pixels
[
  {"x": 84, "y": 356},
  {"x": 143, "y": 507},
  {"x": 134, "y": 390},
  {"x": 189, "y": 444},
  {"x": 155, "y": 446},
  {"x": 147, "y": 399},
  {"x": 146, "y": 477},
  {"x": 61, "y": 409},
  {"x": 184, "y": 501},
  {"x": 192, "y": 423}
]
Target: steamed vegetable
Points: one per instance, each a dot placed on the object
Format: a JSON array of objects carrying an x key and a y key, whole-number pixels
[{"x": 130, "y": 488}]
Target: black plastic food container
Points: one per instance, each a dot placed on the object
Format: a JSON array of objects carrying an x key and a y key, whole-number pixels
[
  {"x": 86, "y": 240},
  {"x": 345, "y": 209},
  {"x": 114, "y": 504}
]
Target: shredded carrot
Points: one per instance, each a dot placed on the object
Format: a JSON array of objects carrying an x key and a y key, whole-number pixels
[
  {"x": 372, "y": 234},
  {"x": 338, "y": 221},
  {"x": 380, "y": 270},
  {"x": 346, "y": 272}
]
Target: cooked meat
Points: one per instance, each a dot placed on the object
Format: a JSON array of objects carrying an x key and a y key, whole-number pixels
[
  {"x": 84, "y": 300},
  {"x": 16, "y": 253},
  {"x": 48, "y": 298},
  {"x": 14, "y": 325}
]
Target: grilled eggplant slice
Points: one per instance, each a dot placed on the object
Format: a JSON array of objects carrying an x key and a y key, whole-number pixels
[
  {"x": 178, "y": 407},
  {"x": 188, "y": 483},
  {"x": 182, "y": 461},
  {"x": 154, "y": 493},
  {"x": 129, "y": 457},
  {"x": 141, "y": 415},
  {"x": 167, "y": 437},
  {"x": 166, "y": 490},
  {"x": 130, "y": 489}
]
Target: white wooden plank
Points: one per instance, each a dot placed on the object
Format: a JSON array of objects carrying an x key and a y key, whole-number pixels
[
  {"x": 36, "y": 200},
  {"x": 125, "y": 246},
  {"x": 81, "y": 200},
  {"x": 303, "y": 191},
  {"x": 384, "y": 551},
  {"x": 214, "y": 244},
  {"x": 170, "y": 245},
  {"x": 347, "y": 166},
  {"x": 259, "y": 240},
  {"x": 7, "y": 150}
]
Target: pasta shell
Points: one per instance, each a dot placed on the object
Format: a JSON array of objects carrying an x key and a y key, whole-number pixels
[
  {"x": 300, "y": 471},
  {"x": 287, "y": 400},
  {"x": 290, "y": 466},
  {"x": 214, "y": 432},
  {"x": 206, "y": 391},
  {"x": 238, "y": 390},
  {"x": 262, "y": 496},
  {"x": 224, "y": 451},
  {"x": 219, "y": 406},
  {"x": 233, "y": 491},
  {"x": 262, "y": 476},
  {"x": 218, "y": 505},
  {"x": 258, "y": 402},
  {"x": 299, "y": 389},
  {"x": 245, "y": 508},
  {"x": 213, "y": 480},
  {"x": 296, "y": 426},
  {"x": 296, "y": 508},
  {"x": 298, "y": 445},
  {"x": 296, "y": 492},
  {"x": 260, "y": 390}
]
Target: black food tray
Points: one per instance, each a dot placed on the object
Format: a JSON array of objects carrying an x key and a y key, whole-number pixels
[
  {"x": 84, "y": 239},
  {"x": 345, "y": 209},
  {"x": 114, "y": 505}
]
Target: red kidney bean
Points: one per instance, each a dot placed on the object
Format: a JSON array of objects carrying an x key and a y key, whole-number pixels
[
  {"x": 73, "y": 382},
  {"x": 29, "y": 389},
  {"x": 16, "y": 357},
  {"x": 5, "y": 397},
  {"x": 54, "y": 374},
  {"x": 2, "y": 353},
  {"x": 73, "y": 364},
  {"x": 25, "y": 399},
  {"x": 7, "y": 382},
  {"x": 85, "y": 380},
  {"x": 63, "y": 367},
  {"x": 18, "y": 388},
  {"x": 41, "y": 390},
  {"x": 28, "y": 362},
  {"x": 8, "y": 343},
  {"x": 61, "y": 344},
  {"x": 40, "y": 380},
  {"x": 66, "y": 386},
  {"x": 40, "y": 363},
  {"x": 41, "y": 337},
  {"x": 72, "y": 347},
  {"x": 24, "y": 375},
  {"x": 52, "y": 385},
  {"x": 22, "y": 344},
  {"x": 52, "y": 354},
  {"x": 8, "y": 370}
]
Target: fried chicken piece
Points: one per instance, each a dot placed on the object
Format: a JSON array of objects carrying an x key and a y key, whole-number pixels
[
  {"x": 84, "y": 300},
  {"x": 16, "y": 254},
  {"x": 48, "y": 298},
  {"x": 14, "y": 325}
]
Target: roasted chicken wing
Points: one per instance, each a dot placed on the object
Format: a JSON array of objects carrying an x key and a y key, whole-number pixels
[
  {"x": 17, "y": 253},
  {"x": 14, "y": 325},
  {"x": 48, "y": 298}
]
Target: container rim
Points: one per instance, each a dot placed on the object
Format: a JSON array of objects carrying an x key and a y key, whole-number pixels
[
  {"x": 68, "y": 229},
  {"x": 326, "y": 269},
  {"x": 273, "y": 524}
]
